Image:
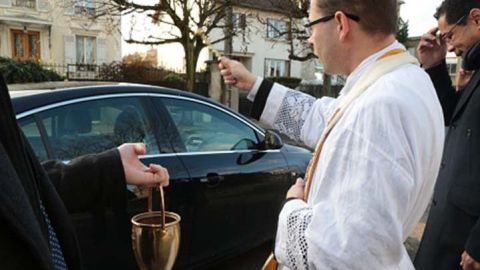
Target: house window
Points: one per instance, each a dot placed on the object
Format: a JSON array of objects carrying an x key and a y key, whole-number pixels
[
  {"x": 85, "y": 7},
  {"x": 277, "y": 68},
  {"x": 86, "y": 50},
  {"x": 276, "y": 29},
  {"x": 24, "y": 3},
  {"x": 452, "y": 71},
  {"x": 25, "y": 45},
  {"x": 239, "y": 21}
]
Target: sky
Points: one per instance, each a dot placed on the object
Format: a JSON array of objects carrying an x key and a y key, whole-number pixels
[{"x": 418, "y": 13}]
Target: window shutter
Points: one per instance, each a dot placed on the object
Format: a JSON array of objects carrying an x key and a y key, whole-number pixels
[
  {"x": 5, "y": 3},
  {"x": 101, "y": 51},
  {"x": 43, "y": 5},
  {"x": 69, "y": 49}
]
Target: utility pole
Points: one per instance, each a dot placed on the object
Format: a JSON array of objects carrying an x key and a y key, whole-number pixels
[{"x": 226, "y": 89}]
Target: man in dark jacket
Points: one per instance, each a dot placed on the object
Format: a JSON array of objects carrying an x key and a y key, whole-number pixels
[
  {"x": 452, "y": 234},
  {"x": 35, "y": 228}
]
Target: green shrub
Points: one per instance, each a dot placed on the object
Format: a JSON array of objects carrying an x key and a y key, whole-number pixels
[{"x": 15, "y": 71}]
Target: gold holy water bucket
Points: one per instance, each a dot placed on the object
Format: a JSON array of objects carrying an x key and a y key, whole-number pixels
[{"x": 156, "y": 237}]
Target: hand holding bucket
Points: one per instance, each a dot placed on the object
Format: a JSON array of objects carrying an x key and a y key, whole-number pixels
[{"x": 156, "y": 237}]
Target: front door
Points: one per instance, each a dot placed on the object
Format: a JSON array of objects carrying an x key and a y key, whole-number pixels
[{"x": 25, "y": 45}]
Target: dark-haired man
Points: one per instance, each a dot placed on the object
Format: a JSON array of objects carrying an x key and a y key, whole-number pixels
[
  {"x": 452, "y": 235},
  {"x": 378, "y": 164}
]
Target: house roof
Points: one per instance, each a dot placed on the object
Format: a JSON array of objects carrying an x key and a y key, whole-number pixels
[{"x": 281, "y": 6}]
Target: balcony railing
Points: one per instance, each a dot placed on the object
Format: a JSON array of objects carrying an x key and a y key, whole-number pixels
[
  {"x": 82, "y": 10},
  {"x": 24, "y": 3},
  {"x": 83, "y": 72}
]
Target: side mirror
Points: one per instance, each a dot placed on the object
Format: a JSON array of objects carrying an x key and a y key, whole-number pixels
[{"x": 272, "y": 140}]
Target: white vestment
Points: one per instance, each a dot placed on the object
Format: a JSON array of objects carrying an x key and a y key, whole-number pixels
[{"x": 375, "y": 176}]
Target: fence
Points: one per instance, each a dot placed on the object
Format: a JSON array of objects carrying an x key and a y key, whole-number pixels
[
  {"x": 115, "y": 71},
  {"x": 59, "y": 69},
  {"x": 119, "y": 72}
]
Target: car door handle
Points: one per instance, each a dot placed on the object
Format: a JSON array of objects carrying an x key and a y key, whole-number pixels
[{"x": 212, "y": 179}]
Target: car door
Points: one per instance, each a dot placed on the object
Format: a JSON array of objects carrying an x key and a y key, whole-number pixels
[
  {"x": 238, "y": 188},
  {"x": 92, "y": 125}
]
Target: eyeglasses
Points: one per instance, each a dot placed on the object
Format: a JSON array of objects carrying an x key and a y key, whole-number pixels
[
  {"x": 308, "y": 25},
  {"x": 447, "y": 36}
]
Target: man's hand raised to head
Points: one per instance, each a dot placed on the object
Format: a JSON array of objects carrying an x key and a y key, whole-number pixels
[
  {"x": 431, "y": 50},
  {"x": 136, "y": 173},
  {"x": 234, "y": 73}
]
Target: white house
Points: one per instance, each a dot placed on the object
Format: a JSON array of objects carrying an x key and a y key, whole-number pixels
[
  {"x": 257, "y": 43},
  {"x": 58, "y": 32}
]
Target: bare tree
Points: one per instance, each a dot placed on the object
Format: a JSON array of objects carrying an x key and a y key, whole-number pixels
[
  {"x": 295, "y": 13},
  {"x": 402, "y": 31},
  {"x": 187, "y": 22}
]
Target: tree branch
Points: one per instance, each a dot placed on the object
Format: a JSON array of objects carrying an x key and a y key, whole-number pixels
[{"x": 147, "y": 42}]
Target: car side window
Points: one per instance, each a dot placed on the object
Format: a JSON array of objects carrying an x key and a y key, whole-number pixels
[
  {"x": 31, "y": 131},
  {"x": 98, "y": 125},
  {"x": 203, "y": 128}
]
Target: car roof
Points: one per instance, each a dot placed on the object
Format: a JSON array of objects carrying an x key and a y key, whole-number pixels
[
  {"x": 21, "y": 93},
  {"x": 26, "y": 100}
]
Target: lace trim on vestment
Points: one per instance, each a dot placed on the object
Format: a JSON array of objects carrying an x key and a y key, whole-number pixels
[
  {"x": 290, "y": 119},
  {"x": 297, "y": 223}
]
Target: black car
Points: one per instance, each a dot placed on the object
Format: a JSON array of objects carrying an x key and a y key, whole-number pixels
[{"x": 228, "y": 176}]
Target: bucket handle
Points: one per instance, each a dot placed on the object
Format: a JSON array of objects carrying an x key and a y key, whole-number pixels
[{"x": 162, "y": 203}]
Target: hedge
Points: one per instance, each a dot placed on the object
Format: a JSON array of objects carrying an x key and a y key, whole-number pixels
[{"x": 16, "y": 71}]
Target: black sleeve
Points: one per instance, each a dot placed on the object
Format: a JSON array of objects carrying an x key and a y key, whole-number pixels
[
  {"x": 445, "y": 91},
  {"x": 261, "y": 99},
  {"x": 90, "y": 181}
]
